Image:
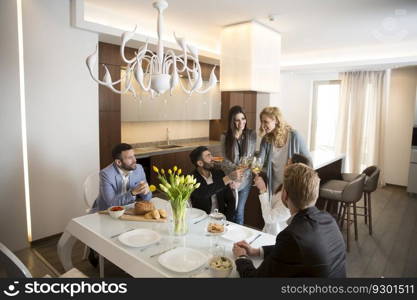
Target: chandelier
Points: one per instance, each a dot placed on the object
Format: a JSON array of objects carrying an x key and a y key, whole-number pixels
[{"x": 161, "y": 71}]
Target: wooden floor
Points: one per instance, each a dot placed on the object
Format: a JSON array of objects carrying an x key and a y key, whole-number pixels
[{"x": 390, "y": 252}]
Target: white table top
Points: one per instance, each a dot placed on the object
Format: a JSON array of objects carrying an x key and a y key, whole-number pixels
[
  {"x": 96, "y": 231},
  {"x": 321, "y": 158}
]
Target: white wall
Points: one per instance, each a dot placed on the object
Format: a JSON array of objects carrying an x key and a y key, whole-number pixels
[
  {"x": 295, "y": 98},
  {"x": 13, "y": 231},
  {"x": 400, "y": 118},
  {"x": 62, "y": 114}
]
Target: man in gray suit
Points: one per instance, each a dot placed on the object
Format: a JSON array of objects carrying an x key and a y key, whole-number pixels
[{"x": 123, "y": 181}]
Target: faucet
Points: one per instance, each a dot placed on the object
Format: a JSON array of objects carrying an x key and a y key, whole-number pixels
[{"x": 167, "y": 136}]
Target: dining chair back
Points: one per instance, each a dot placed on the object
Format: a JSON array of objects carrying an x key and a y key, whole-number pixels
[
  {"x": 91, "y": 189},
  {"x": 12, "y": 264}
]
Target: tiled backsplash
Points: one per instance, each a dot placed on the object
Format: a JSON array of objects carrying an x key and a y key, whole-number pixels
[{"x": 156, "y": 132}]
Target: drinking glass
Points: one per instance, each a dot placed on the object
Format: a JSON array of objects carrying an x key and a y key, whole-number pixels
[{"x": 257, "y": 164}]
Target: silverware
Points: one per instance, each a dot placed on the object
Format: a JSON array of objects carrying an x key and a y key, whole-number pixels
[
  {"x": 162, "y": 252},
  {"x": 116, "y": 235},
  {"x": 258, "y": 236},
  {"x": 201, "y": 220}
]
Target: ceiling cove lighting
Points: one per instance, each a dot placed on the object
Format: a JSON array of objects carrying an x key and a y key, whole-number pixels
[{"x": 160, "y": 70}]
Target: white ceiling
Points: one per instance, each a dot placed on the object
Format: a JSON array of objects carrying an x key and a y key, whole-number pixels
[{"x": 306, "y": 26}]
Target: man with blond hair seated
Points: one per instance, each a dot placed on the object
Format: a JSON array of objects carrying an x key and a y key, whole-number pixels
[{"x": 312, "y": 244}]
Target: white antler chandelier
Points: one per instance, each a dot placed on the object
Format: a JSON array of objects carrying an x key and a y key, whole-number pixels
[{"x": 161, "y": 72}]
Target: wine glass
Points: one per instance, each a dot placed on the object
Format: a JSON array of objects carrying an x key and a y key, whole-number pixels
[
  {"x": 257, "y": 164},
  {"x": 245, "y": 162}
]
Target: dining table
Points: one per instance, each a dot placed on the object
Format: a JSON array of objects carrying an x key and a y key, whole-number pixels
[{"x": 101, "y": 232}]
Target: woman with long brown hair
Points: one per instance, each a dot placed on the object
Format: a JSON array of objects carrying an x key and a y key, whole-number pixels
[
  {"x": 236, "y": 143},
  {"x": 279, "y": 143}
]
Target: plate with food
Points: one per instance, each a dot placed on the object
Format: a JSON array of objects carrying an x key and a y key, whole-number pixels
[
  {"x": 182, "y": 259},
  {"x": 140, "y": 237},
  {"x": 216, "y": 229}
]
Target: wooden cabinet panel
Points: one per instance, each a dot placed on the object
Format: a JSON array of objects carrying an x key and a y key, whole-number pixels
[
  {"x": 236, "y": 98},
  {"x": 251, "y": 120},
  {"x": 249, "y": 102},
  {"x": 253, "y": 211},
  {"x": 169, "y": 160},
  {"x": 110, "y": 135},
  {"x": 109, "y": 54},
  {"x": 108, "y": 100}
]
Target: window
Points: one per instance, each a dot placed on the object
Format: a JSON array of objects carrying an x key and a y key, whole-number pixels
[{"x": 325, "y": 115}]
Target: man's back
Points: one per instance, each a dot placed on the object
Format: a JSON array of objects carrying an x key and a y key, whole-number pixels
[{"x": 311, "y": 246}]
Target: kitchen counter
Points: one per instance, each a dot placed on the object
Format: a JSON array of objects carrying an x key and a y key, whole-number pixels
[{"x": 144, "y": 152}]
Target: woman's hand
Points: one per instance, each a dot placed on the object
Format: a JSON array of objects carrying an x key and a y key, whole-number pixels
[{"x": 260, "y": 184}]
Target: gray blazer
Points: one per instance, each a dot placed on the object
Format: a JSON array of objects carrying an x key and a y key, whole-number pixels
[
  {"x": 228, "y": 166},
  {"x": 296, "y": 144},
  {"x": 111, "y": 188}
]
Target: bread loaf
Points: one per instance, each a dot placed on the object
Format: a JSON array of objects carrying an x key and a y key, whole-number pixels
[{"x": 143, "y": 207}]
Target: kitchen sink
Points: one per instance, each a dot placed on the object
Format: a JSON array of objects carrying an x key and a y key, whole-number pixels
[{"x": 168, "y": 146}]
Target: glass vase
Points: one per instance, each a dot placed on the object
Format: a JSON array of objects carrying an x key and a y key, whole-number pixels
[{"x": 179, "y": 218}]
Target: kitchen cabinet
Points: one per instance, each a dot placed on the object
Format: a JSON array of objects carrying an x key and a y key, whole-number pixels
[
  {"x": 245, "y": 99},
  {"x": 175, "y": 107},
  {"x": 169, "y": 160}
]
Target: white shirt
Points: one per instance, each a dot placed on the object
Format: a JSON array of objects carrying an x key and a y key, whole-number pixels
[
  {"x": 276, "y": 210},
  {"x": 275, "y": 213},
  {"x": 214, "y": 203},
  {"x": 125, "y": 179}
]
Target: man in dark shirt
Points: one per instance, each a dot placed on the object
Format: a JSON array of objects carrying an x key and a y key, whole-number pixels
[
  {"x": 312, "y": 244},
  {"x": 214, "y": 191}
]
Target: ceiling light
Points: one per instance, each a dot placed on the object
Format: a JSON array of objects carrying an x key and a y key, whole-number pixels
[{"x": 162, "y": 68}]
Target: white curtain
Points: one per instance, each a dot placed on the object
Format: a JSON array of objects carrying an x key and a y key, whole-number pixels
[{"x": 362, "y": 115}]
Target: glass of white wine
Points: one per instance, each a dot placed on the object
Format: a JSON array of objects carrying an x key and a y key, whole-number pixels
[{"x": 256, "y": 165}]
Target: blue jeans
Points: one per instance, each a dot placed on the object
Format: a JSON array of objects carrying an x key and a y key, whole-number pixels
[{"x": 243, "y": 196}]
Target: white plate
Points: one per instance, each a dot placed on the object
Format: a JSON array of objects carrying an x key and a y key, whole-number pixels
[
  {"x": 183, "y": 260},
  {"x": 195, "y": 214},
  {"x": 237, "y": 233},
  {"x": 139, "y": 237}
]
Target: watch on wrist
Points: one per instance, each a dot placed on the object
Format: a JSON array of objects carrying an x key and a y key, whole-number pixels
[{"x": 131, "y": 192}]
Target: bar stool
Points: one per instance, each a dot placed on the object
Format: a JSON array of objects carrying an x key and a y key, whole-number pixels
[
  {"x": 371, "y": 184},
  {"x": 347, "y": 194}
]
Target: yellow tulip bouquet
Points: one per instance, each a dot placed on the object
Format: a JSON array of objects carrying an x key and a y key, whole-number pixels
[{"x": 178, "y": 189}]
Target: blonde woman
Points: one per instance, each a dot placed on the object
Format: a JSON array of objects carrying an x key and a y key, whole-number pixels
[{"x": 279, "y": 143}]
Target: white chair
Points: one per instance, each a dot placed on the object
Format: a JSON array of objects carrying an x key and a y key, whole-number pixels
[
  {"x": 16, "y": 269},
  {"x": 91, "y": 191}
]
